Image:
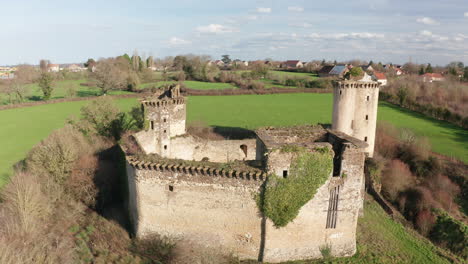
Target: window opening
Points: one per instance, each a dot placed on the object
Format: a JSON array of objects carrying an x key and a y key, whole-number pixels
[{"x": 285, "y": 174}]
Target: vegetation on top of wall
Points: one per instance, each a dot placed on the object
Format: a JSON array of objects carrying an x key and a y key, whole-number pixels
[{"x": 282, "y": 198}]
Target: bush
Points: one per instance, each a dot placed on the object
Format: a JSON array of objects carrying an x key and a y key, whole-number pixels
[
  {"x": 451, "y": 234},
  {"x": 396, "y": 179},
  {"x": 45, "y": 83},
  {"x": 102, "y": 117},
  {"x": 55, "y": 156}
]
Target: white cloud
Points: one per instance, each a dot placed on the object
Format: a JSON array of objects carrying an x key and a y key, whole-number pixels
[
  {"x": 427, "y": 21},
  {"x": 300, "y": 25},
  {"x": 426, "y": 33},
  {"x": 178, "y": 41},
  {"x": 355, "y": 35},
  {"x": 264, "y": 9},
  {"x": 466, "y": 14},
  {"x": 216, "y": 28},
  {"x": 295, "y": 8}
]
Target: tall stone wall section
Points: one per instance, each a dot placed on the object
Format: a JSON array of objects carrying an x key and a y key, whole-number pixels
[
  {"x": 216, "y": 208},
  {"x": 166, "y": 119},
  {"x": 355, "y": 110}
]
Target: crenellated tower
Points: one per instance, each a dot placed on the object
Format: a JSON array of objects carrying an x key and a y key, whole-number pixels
[
  {"x": 165, "y": 115},
  {"x": 355, "y": 110}
]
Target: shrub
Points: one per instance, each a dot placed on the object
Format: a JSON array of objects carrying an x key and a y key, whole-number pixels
[
  {"x": 396, "y": 179},
  {"x": 425, "y": 221},
  {"x": 282, "y": 198},
  {"x": 155, "y": 247},
  {"x": 45, "y": 83},
  {"x": 55, "y": 156},
  {"x": 451, "y": 233}
]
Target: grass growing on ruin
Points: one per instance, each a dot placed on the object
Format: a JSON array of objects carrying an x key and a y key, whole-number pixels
[
  {"x": 22, "y": 128},
  {"x": 282, "y": 198}
]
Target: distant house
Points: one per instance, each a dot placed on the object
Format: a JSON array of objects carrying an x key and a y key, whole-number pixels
[
  {"x": 218, "y": 63},
  {"x": 53, "y": 68},
  {"x": 433, "y": 77},
  {"x": 292, "y": 64},
  {"x": 6, "y": 75},
  {"x": 75, "y": 68},
  {"x": 367, "y": 68},
  {"x": 380, "y": 78},
  {"x": 398, "y": 71},
  {"x": 339, "y": 70},
  {"x": 325, "y": 71}
]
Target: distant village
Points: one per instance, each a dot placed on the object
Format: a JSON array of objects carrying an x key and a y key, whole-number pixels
[{"x": 323, "y": 69}]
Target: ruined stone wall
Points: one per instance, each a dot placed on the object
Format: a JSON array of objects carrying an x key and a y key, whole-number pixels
[
  {"x": 317, "y": 224},
  {"x": 193, "y": 148},
  {"x": 217, "y": 209},
  {"x": 209, "y": 210}
]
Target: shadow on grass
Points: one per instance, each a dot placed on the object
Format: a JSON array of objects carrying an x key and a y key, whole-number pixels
[{"x": 458, "y": 134}]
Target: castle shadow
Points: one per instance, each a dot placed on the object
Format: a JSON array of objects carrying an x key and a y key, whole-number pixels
[{"x": 110, "y": 180}]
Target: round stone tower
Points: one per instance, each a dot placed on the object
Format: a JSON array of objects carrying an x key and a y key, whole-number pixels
[{"x": 355, "y": 110}]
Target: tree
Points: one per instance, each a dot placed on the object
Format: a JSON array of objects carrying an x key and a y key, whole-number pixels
[
  {"x": 125, "y": 56},
  {"x": 465, "y": 74},
  {"x": 421, "y": 70},
  {"x": 45, "y": 82},
  {"x": 136, "y": 61},
  {"x": 259, "y": 70},
  {"x": 179, "y": 62},
  {"x": 226, "y": 59},
  {"x": 150, "y": 62},
  {"x": 429, "y": 68},
  {"x": 90, "y": 64},
  {"x": 112, "y": 74},
  {"x": 43, "y": 65},
  {"x": 323, "y": 62}
]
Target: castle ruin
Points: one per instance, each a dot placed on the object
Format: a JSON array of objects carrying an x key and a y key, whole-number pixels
[{"x": 204, "y": 192}]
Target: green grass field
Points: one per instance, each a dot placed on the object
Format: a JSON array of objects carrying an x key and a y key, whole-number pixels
[
  {"x": 61, "y": 89},
  {"x": 296, "y": 74},
  {"x": 193, "y": 85},
  {"x": 22, "y": 128}
]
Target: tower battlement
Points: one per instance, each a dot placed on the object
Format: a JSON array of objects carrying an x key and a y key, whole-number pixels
[{"x": 357, "y": 84}]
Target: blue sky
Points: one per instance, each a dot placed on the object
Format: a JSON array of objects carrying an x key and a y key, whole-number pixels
[{"x": 433, "y": 31}]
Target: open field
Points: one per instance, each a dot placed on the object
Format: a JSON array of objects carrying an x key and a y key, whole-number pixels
[
  {"x": 193, "y": 85},
  {"x": 22, "y": 128},
  {"x": 61, "y": 89},
  {"x": 307, "y": 75}
]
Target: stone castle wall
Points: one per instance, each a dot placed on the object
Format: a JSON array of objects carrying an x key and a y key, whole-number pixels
[{"x": 216, "y": 208}]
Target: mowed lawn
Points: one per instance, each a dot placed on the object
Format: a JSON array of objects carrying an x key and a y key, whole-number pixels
[{"x": 22, "y": 128}]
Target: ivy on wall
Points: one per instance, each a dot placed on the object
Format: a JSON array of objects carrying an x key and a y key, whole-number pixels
[{"x": 282, "y": 198}]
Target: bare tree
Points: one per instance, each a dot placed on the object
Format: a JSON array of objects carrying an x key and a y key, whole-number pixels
[{"x": 112, "y": 74}]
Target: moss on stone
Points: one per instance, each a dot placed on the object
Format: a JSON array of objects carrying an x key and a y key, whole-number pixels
[{"x": 282, "y": 198}]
